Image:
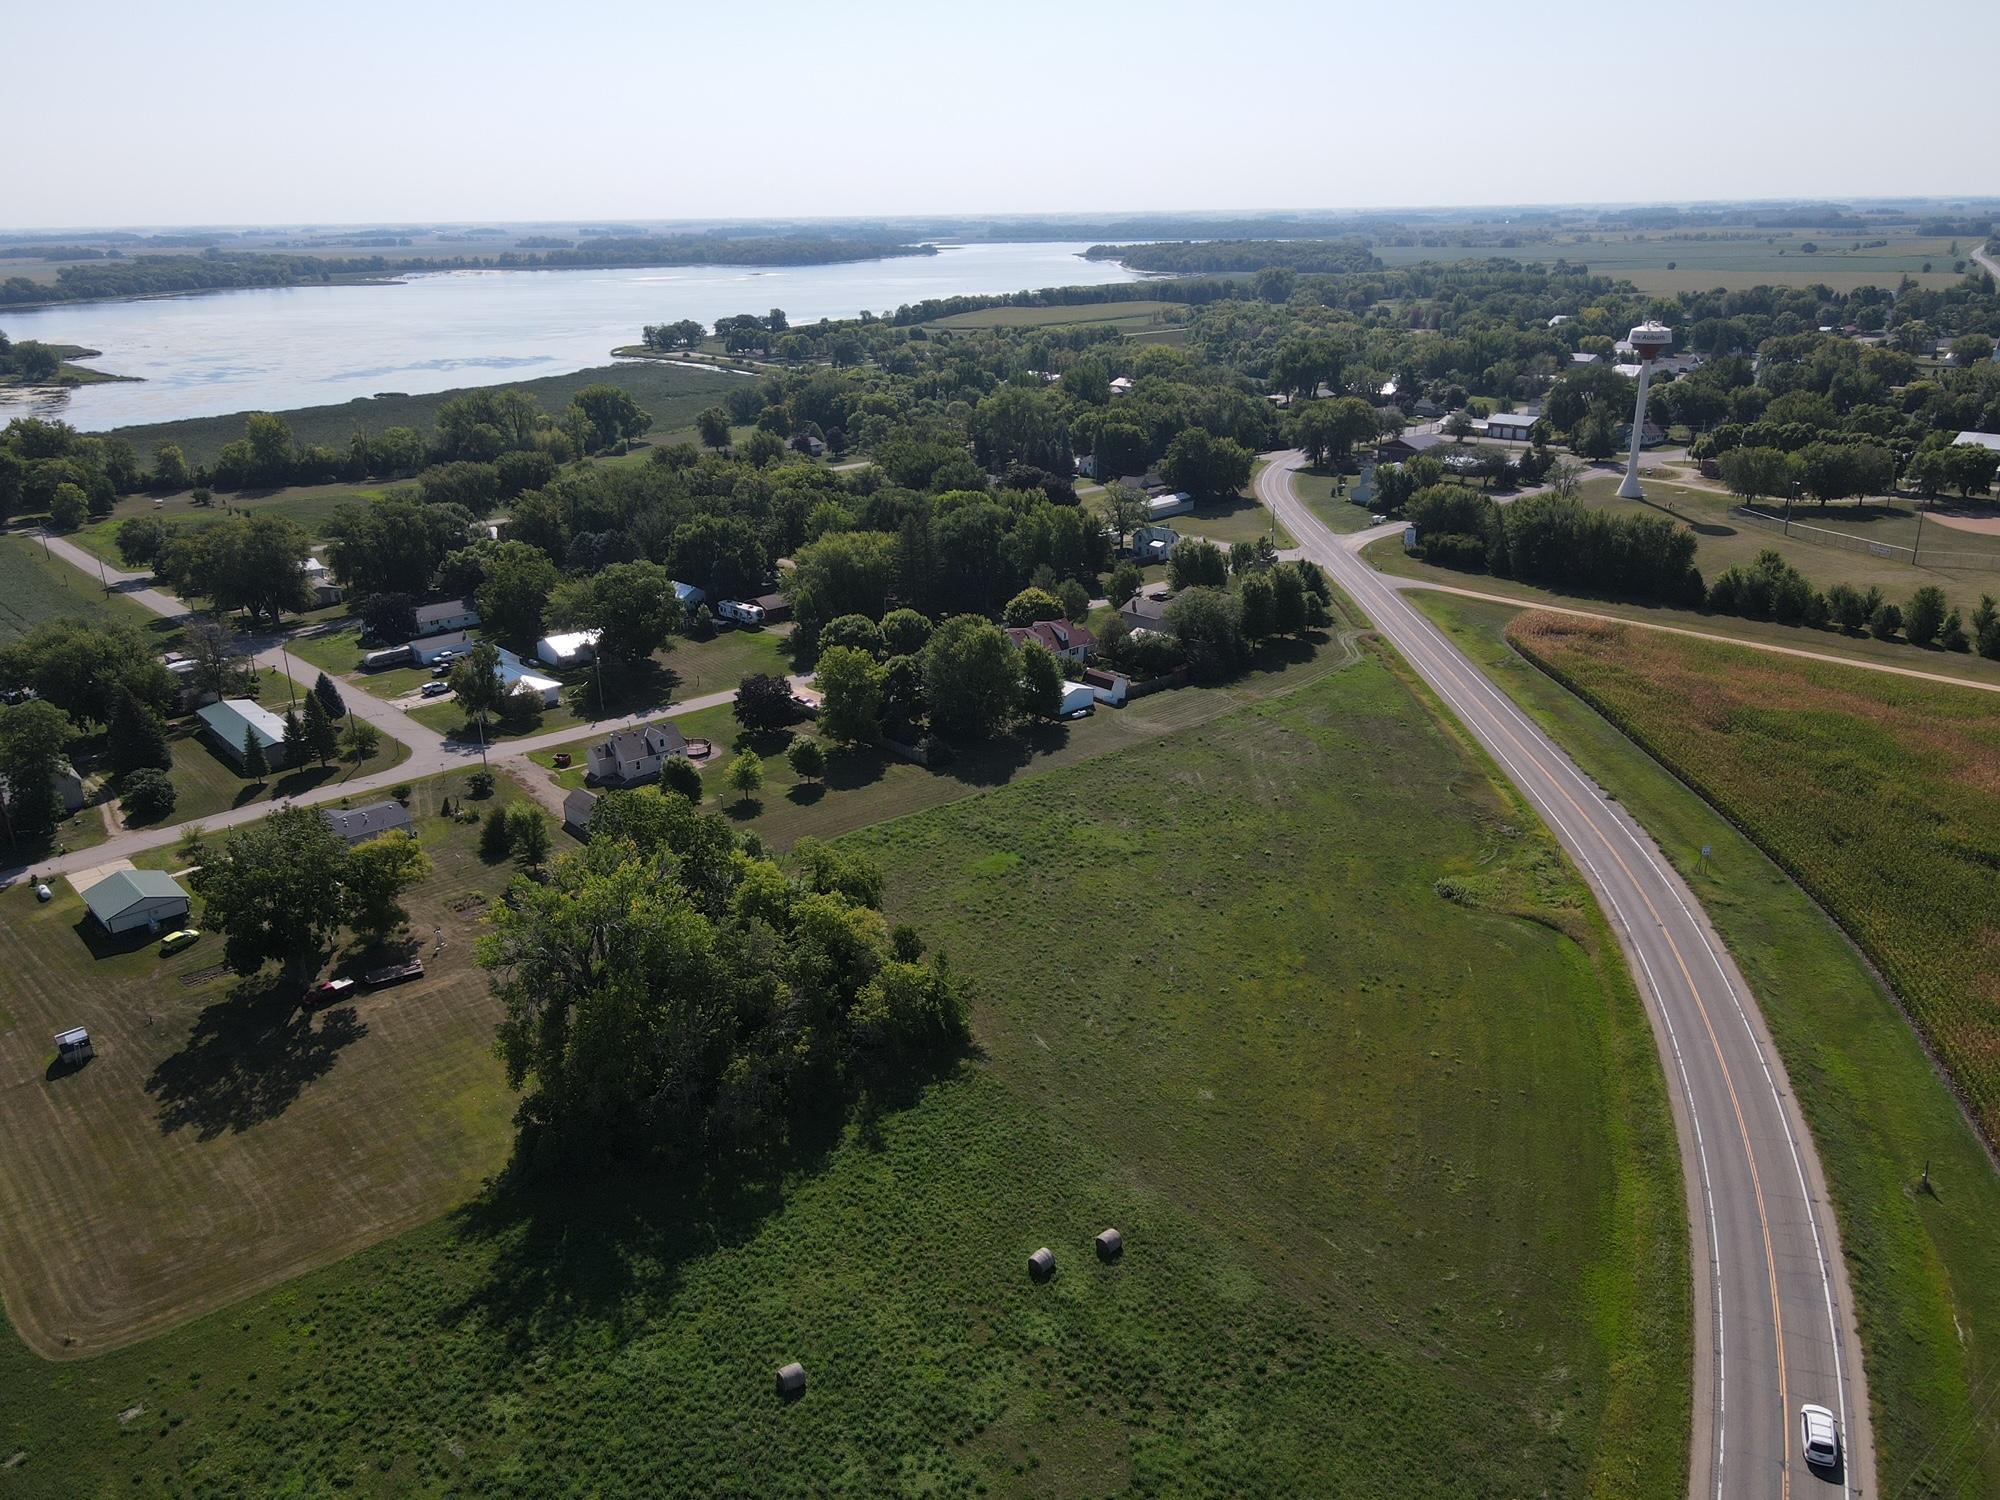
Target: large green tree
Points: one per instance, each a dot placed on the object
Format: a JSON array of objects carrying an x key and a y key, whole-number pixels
[
  {"x": 850, "y": 684},
  {"x": 34, "y": 739},
  {"x": 972, "y": 677},
  {"x": 379, "y": 873},
  {"x": 631, "y": 605},
  {"x": 275, "y": 889},
  {"x": 518, "y": 581}
]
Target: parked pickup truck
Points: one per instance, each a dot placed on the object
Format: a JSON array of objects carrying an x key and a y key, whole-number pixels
[{"x": 388, "y": 974}]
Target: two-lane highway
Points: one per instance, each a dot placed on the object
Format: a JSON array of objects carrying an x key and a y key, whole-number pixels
[{"x": 1774, "y": 1323}]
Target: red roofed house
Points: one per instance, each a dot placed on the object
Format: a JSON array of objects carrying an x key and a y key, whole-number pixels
[{"x": 1070, "y": 642}]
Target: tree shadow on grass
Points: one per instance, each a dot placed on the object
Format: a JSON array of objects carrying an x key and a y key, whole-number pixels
[
  {"x": 248, "y": 1059},
  {"x": 605, "y": 1247},
  {"x": 998, "y": 761},
  {"x": 806, "y": 793}
]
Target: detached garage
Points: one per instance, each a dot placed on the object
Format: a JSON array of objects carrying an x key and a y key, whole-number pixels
[
  {"x": 132, "y": 900},
  {"x": 1077, "y": 697},
  {"x": 230, "y": 719}
]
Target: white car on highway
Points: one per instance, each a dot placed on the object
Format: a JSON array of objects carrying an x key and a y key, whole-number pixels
[{"x": 1819, "y": 1436}]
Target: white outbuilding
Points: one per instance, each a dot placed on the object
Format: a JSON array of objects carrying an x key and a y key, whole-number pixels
[{"x": 570, "y": 648}]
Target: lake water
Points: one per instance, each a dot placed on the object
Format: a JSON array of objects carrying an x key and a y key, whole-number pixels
[{"x": 309, "y": 346}]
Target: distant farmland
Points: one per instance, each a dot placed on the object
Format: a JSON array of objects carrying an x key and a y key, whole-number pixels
[{"x": 1659, "y": 263}]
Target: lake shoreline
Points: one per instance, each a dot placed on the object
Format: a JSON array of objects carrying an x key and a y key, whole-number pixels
[{"x": 202, "y": 354}]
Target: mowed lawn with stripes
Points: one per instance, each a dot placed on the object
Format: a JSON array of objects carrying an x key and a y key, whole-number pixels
[{"x": 226, "y": 1138}]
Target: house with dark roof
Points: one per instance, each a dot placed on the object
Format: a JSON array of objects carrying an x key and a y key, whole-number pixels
[
  {"x": 426, "y": 651},
  {"x": 1070, "y": 642},
  {"x": 626, "y": 757},
  {"x": 1147, "y": 610},
  {"x": 356, "y": 824},
  {"x": 1396, "y": 449}
]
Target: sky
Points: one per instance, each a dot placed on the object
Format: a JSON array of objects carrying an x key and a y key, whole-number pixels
[{"x": 131, "y": 112}]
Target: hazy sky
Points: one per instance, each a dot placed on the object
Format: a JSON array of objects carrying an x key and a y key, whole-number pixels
[{"x": 137, "y": 112}]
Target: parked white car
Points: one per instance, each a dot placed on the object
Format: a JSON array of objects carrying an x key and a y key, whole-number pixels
[{"x": 1819, "y": 1436}]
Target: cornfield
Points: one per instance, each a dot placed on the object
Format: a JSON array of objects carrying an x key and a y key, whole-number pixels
[{"x": 1879, "y": 794}]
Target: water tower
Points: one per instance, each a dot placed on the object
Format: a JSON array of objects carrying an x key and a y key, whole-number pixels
[{"x": 1649, "y": 341}]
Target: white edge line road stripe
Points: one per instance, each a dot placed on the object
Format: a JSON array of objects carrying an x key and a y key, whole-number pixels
[
  {"x": 1508, "y": 706},
  {"x": 1446, "y": 668},
  {"x": 1447, "y": 673}
]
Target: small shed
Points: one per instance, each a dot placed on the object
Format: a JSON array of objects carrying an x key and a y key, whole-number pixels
[
  {"x": 1042, "y": 1264},
  {"x": 73, "y": 1047},
  {"x": 1110, "y": 1244},
  {"x": 792, "y": 1380},
  {"x": 1077, "y": 698},
  {"x": 577, "y": 808}
]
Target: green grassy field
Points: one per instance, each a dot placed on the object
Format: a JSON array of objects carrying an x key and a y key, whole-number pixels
[
  {"x": 1333, "y": 1285},
  {"x": 1132, "y": 316},
  {"x": 865, "y": 786},
  {"x": 1828, "y": 544},
  {"x": 1656, "y": 263},
  {"x": 310, "y": 505},
  {"x": 1340, "y": 513},
  {"x": 225, "y": 1139},
  {"x": 671, "y": 393},
  {"x": 1925, "y": 1267},
  {"x": 35, "y": 588},
  {"x": 1241, "y": 519}
]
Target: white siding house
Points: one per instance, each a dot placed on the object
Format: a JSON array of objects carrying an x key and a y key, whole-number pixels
[
  {"x": 451, "y": 614},
  {"x": 628, "y": 756}
]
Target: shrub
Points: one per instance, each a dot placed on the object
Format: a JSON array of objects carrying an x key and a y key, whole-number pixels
[
  {"x": 1952, "y": 636},
  {"x": 1454, "y": 549},
  {"x": 679, "y": 774},
  {"x": 479, "y": 782},
  {"x": 1885, "y": 622},
  {"x": 148, "y": 795},
  {"x": 1925, "y": 616}
]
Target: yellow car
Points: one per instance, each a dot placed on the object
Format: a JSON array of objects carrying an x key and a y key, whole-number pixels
[{"x": 173, "y": 942}]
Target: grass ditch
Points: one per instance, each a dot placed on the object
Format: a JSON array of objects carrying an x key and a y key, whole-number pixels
[{"x": 1925, "y": 1266}]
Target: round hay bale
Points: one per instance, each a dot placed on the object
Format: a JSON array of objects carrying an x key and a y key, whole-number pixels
[
  {"x": 792, "y": 1380},
  {"x": 1042, "y": 1264},
  {"x": 1110, "y": 1244}
]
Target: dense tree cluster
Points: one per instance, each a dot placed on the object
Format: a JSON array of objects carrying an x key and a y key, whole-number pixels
[{"x": 672, "y": 993}]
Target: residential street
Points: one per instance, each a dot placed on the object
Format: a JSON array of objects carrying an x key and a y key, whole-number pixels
[
  {"x": 1774, "y": 1322},
  {"x": 430, "y": 752}
]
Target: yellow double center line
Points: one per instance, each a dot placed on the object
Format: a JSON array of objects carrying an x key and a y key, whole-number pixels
[{"x": 1448, "y": 670}]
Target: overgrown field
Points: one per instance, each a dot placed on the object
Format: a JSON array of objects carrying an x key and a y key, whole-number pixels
[
  {"x": 671, "y": 393},
  {"x": 1882, "y": 797},
  {"x": 1925, "y": 1266},
  {"x": 1398, "y": 1181}
]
